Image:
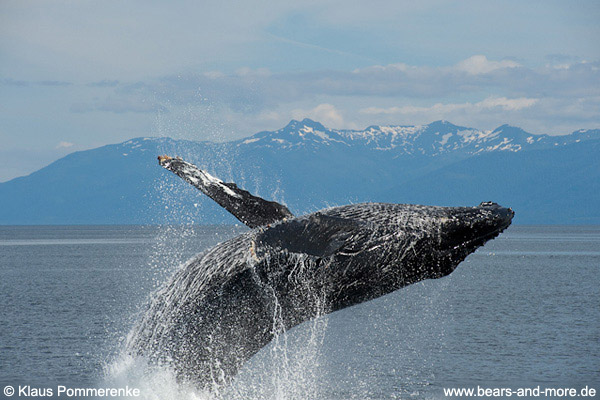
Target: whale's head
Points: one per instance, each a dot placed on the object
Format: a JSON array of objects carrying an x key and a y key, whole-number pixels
[
  {"x": 409, "y": 243},
  {"x": 463, "y": 231},
  {"x": 368, "y": 250}
]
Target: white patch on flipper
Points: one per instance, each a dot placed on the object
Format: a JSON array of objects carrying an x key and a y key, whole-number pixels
[{"x": 207, "y": 179}]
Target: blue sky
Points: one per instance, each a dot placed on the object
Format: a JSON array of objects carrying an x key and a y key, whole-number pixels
[{"x": 80, "y": 74}]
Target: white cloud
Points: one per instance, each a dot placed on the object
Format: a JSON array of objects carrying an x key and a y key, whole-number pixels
[
  {"x": 120, "y": 104},
  {"x": 507, "y": 104},
  {"x": 397, "y": 93},
  {"x": 253, "y": 91},
  {"x": 479, "y": 64},
  {"x": 64, "y": 145},
  {"x": 249, "y": 72},
  {"x": 382, "y": 68},
  {"x": 327, "y": 114},
  {"x": 440, "y": 108},
  {"x": 214, "y": 74},
  {"x": 269, "y": 116},
  {"x": 89, "y": 40},
  {"x": 474, "y": 65}
]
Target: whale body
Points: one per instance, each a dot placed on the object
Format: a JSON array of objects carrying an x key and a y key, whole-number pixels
[{"x": 229, "y": 301}]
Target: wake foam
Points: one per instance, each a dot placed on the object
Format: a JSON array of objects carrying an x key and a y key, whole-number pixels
[
  {"x": 287, "y": 368},
  {"x": 154, "y": 382}
]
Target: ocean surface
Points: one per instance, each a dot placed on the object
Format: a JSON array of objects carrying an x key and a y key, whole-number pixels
[{"x": 523, "y": 311}]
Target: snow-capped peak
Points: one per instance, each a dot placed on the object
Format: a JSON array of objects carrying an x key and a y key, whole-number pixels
[{"x": 436, "y": 138}]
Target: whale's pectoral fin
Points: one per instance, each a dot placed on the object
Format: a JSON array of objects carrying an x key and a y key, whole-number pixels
[
  {"x": 251, "y": 210},
  {"x": 318, "y": 234}
]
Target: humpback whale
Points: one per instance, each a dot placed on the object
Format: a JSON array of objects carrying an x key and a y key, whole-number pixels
[{"x": 229, "y": 301}]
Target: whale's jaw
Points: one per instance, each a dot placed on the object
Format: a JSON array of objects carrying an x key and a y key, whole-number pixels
[
  {"x": 468, "y": 231},
  {"x": 471, "y": 230}
]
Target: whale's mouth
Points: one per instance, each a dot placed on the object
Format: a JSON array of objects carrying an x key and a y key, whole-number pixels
[
  {"x": 479, "y": 241},
  {"x": 495, "y": 221}
]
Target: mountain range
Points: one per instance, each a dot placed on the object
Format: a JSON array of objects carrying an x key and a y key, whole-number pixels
[{"x": 545, "y": 179}]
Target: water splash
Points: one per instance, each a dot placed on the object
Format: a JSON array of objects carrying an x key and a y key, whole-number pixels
[
  {"x": 285, "y": 369},
  {"x": 288, "y": 368},
  {"x": 154, "y": 382}
]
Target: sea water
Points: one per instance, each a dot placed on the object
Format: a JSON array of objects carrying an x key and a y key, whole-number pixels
[{"x": 522, "y": 311}]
